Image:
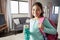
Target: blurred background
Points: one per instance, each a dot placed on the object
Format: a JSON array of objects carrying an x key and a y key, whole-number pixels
[{"x": 14, "y": 14}]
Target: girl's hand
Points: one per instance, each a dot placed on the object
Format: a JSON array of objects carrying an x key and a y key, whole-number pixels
[
  {"x": 41, "y": 26},
  {"x": 26, "y": 26}
]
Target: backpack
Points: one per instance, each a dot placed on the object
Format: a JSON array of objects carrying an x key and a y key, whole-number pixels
[{"x": 49, "y": 36}]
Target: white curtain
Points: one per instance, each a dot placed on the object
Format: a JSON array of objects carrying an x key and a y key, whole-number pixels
[{"x": 9, "y": 18}]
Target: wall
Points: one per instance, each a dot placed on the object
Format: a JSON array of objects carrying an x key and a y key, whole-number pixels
[
  {"x": 19, "y": 15},
  {"x": 56, "y": 2},
  {"x": 58, "y": 27},
  {"x": 23, "y": 0},
  {"x": 44, "y": 2},
  {"x": 3, "y": 6}
]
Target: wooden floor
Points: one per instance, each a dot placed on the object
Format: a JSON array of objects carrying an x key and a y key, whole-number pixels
[
  {"x": 4, "y": 34},
  {"x": 12, "y": 36}
]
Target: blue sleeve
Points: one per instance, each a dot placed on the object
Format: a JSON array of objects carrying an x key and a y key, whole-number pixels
[{"x": 48, "y": 28}]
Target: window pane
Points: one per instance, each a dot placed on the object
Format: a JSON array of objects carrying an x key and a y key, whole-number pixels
[
  {"x": 14, "y": 7},
  {"x": 24, "y": 8},
  {"x": 56, "y": 9},
  {"x": 53, "y": 10}
]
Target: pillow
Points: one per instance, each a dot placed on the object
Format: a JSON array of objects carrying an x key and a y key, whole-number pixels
[
  {"x": 27, "y": 20},
  {"x": 16, "y": 21}
]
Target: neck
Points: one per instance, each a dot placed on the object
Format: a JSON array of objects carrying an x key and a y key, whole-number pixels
[{"x": 37, "y": 18}]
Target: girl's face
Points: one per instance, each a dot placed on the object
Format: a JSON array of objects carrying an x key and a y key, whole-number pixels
[{"x": 36, "y": 11}]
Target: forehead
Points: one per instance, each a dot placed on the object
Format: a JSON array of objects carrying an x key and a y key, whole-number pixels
[{"x": 35, "y": 6}]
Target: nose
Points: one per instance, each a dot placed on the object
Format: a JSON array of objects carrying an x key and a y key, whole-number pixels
[{"x": 35, "y": 11}]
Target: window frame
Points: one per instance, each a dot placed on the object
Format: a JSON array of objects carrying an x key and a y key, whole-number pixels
[{"x": 19, "y": 7}]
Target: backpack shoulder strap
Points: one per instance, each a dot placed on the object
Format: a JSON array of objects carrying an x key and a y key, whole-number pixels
[
  {"x": 43, "y": 33},
  {"x": 41, "y": 20}
]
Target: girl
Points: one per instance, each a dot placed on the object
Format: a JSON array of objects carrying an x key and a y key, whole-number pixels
[{"x": 34, "y": 32}]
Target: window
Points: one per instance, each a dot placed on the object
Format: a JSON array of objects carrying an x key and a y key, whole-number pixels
[
  {"x": 53, "y": 10},
  {"x": 14, "y": 7},
  {"x": 56, "y": 9},
  {"x": 23, "y": 7},
  {"x": 19, "y": 7}
]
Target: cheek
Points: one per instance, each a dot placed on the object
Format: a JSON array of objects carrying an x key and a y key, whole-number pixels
[
  {"x": 38, "y": 12},
  {"x": 32, "y": 12}
]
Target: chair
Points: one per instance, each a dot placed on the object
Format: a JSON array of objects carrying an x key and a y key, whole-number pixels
[
  {"x": 3, "y": 25},
  {"x": 18, "y": 23}
]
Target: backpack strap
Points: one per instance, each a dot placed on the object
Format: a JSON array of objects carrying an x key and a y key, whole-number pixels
[
  {"x": 42, "y": 32},
  {"x": 41, "y": 20}
]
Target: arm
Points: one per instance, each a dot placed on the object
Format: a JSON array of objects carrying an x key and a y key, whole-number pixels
[{"x": 48, "y": 28}]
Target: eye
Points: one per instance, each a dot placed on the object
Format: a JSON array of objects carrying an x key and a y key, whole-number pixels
[{"x": 33, "y": 9}]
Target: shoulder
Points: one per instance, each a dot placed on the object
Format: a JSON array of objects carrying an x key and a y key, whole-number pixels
[{"x": 46, "y": 20}]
